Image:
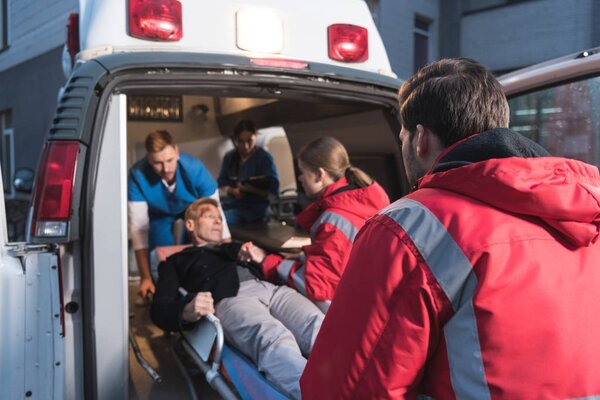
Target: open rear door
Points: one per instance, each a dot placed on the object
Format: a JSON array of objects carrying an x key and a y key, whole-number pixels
[{"x": 31, "y": 329}]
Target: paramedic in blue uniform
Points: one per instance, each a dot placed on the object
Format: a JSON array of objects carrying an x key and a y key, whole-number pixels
[
  {"x": 248, "y": 175},
  {"x": 159, "y": 189}
]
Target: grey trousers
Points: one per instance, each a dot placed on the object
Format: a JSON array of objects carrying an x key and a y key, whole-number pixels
[{"x": 275, "y": 326}]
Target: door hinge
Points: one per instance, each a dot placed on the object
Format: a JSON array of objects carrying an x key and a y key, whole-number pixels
[{"x": 24, "y": 249}]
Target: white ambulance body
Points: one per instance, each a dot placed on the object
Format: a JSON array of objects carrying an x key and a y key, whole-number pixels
[
  {"x": 194, "y": 67},
  {"x": 293, "y": 30}
]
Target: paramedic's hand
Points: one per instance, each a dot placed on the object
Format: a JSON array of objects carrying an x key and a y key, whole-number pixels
[
  {"x": 246, "y": 188},
  {"x": 200, "y": 306},
  {"x": 146, "y": 287},
  {"x": 250, "y": 252},
  {"x": 235, "y": 192}
]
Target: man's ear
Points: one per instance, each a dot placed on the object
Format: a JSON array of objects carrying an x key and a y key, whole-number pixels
[
  {"x": 189, "y": 225},
  {"x": 423, "y": 140}
]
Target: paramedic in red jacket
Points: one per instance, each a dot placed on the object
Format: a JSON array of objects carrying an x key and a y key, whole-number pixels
[
  {"x": 345, "y": 198},
  {"x": 483, "y": 282}
]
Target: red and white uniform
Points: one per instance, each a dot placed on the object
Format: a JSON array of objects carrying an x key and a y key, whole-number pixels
[
  {"x": 482, "y": 284},
  {"x": 333, "y": 222}
]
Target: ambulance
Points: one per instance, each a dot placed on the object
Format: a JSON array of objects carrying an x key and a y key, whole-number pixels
[{"x": 298, "y": 69}]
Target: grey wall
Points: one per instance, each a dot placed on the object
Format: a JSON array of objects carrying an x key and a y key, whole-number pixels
[
  {"x": 35, "y": 26},
  {"x": 31, "y": 71},
  {"x": 527, "y": 33},
  {"x": 30, "y": 91},
  {"x": 449, "y": 28},
  {"x": 395, "y": 20}
]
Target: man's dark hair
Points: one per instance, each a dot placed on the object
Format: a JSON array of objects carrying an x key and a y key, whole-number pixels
[
  {"x": 243, "y": 125},
  {"x": 454, "y": 98}
]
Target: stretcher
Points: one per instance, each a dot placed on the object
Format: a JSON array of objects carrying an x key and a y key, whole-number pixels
[{"x": 227, "y": 370}]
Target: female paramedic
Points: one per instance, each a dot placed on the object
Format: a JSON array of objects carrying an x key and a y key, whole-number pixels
[{"x": 345, "y": 197}]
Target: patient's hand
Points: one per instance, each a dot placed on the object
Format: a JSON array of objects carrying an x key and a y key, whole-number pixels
[
  {"x": 250, "y": 252},
  {"x": 200, "y": 306}
]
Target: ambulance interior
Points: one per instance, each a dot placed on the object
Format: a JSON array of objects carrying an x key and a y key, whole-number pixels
[{"x": 201, "y": 124}]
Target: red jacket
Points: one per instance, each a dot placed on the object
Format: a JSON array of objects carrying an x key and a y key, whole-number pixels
[
  {"x": 333, "y": 221},
  {"x": 484, "y": 283}
]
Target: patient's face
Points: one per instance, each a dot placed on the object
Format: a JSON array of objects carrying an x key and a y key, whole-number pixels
[{"x": 207, "y": 227}]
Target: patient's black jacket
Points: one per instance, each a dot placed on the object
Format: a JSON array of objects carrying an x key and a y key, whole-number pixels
[{"x": 210, "y": 268}]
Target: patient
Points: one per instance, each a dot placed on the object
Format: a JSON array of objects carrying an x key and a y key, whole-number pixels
[{"x": 273, "y": 325}]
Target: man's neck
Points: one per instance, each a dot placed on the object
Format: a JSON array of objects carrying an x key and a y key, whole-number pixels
[
  {"x": 201, "y": 242},
  {"x": 170, "y": 186}
]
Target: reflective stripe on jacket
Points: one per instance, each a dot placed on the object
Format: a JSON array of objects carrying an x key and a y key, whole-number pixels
[
  {"x": 333, "y": 222},
  {"x": 482, "y": 284}
]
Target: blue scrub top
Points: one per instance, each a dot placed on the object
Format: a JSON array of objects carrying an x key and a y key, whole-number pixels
[
  {"x": 193, "y": 181},
  {"x": 232, "y": 171}
]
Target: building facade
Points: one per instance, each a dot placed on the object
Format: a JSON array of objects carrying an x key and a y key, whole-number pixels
[{"x": 502, "y": 34}]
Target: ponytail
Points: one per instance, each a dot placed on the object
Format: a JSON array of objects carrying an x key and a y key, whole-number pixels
[
  {"x": 331, "y": 155},
  {"x": 357, "y": 177}
]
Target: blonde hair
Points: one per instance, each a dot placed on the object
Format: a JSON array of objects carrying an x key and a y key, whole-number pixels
[
  {"x": 331, "y": 155},
  {"x": 157, "y": 141},
  {"x": 192, "y": 211}
]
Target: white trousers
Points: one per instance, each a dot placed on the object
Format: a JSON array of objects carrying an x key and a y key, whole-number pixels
[{"x": 275, "y": 326}]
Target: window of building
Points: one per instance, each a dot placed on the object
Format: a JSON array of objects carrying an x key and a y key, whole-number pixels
[
  {"x": 3, "y": 24},
  {"x": 8, "y": 152},
  {"x": 470, "y": 6},
  {"x": 8, "y": 160},
  {"x": 421, "y": 43}
]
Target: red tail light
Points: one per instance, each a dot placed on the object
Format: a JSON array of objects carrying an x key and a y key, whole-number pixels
[
  {"x": 155, "y": 20},
  {"x": 73, "y": 35},
  {"x": 349, "y": 43},
  {"x": 54, "y": 189}
]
